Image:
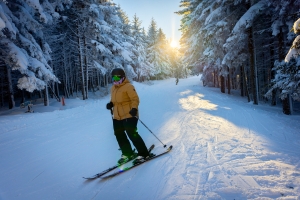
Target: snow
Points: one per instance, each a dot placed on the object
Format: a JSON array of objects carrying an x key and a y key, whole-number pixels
[
  {"x": 126, "y": 55},
  {"x": 213, "y": 15},
  {"x": 94, "y": 8},
  {"x": 100, "y": 47},
  {"x": 31, "y": 83},
  {"x": 223, "y": 148},
  {"x": 43, "y": 71},
  {"x": 248, "y": 18},
  {"x": 296, "y": 26},
  {"x": 19, "y": 56},
  {"x": 2, "y": 24},
  {"x": 100, "y": 67},
  {"x": 36, "y": 5},
  {"x": 275, "y": 27},
  {"x": 294, "y": 50},
  {"x": 7, "y": 20}
]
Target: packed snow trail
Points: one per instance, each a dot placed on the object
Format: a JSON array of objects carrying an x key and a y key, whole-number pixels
[{"x": 223, "y": 148}]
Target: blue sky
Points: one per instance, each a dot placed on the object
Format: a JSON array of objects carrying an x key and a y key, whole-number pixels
[{"x": 161, "y": 10}]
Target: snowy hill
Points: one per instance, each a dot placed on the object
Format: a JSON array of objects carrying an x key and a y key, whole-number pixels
[{"x": 223, "y": 148}]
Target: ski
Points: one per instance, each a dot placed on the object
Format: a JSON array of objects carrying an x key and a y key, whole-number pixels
[
  {"x": 114, "y": 167},
  {"x": 128, "y": 168}
]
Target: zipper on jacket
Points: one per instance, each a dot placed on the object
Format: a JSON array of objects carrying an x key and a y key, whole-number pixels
[{"x": 116, "y": 100}]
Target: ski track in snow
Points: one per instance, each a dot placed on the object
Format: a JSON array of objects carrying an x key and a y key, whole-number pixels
[{"x": 223, "y": 148}]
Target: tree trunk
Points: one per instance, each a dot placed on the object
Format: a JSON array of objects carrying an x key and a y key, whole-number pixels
[
  {"x": 214, "y": 78},
  {"x": 246, "y": 85},
  {"x": 252, "y": 66},
  {"x": 86, "y": 69},
  {"x": 66, "y": 76},
  {"x": 217, "y": 79},
  {"x": 222, "y": 84},
  {"x": 2, "y": 92},
  {"x": 99, "y": 79},
  {"x": 272, "y": 74},
  {"x": 72, "y": 83},
  {"x": 285, "y": 102},
  {"x": 229, "y": 80},
  {"x": 81, "y": 69},
  {"x": 46, "y": 97},
  {"x": 58, "y": 93},
  {"x": 242, "y": 81},
  {"x": 11, "y": 98},
  {"x": 286, "y": 106}
]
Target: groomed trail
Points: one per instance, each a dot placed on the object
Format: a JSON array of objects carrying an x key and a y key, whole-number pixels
[{"x": 223, "y": 148}]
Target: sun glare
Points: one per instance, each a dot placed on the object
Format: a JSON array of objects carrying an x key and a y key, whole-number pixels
[{"x": 174, "y": 44}]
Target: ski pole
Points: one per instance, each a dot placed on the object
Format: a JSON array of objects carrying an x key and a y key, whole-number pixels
[
  {"x": 151, "y": 132},
  {"x": 112, "y": 115}
]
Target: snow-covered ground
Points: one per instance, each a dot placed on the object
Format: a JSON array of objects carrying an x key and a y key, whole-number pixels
[{"x": 223, "y": 148}]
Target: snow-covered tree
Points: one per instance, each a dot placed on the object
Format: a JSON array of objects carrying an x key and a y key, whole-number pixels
[
  {"x": 214, "y": 30},
  {"x": 128, "y": 41},
  {"x": 26, "y": 50},
  {"x": 140, "y": 62},
  {"x": 239, "y": 40},
  {"x": 177, "y": 66},
  {"x": 157, "y": 51},
  {"x": 287, "y": 78},
  {"x": 100, "y": 41},
  {"x": 110, "y": 40},
  {"x": 163, "y": 53},
  {"x": 240, "y": 45}
]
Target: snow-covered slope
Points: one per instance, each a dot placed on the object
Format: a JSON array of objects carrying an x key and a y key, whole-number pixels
[{"x": 223, "y": 148}]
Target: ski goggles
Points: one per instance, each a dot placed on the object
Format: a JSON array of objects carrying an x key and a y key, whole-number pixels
[{"x": 116, "y": 77}]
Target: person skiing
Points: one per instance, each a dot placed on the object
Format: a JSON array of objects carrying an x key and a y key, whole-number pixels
[{"x": 124, "y": 106}]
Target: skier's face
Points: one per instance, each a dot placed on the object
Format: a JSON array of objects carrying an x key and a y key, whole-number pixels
[{"x": 118, "y": 79}]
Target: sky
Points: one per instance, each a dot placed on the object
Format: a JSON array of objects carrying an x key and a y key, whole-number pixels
[
  {"x": 161, "y": 10},
  {"x": 223, "y": 148}
]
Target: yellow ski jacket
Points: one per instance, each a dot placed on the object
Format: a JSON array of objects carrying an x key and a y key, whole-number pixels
[{"x": 124, "y": 98}]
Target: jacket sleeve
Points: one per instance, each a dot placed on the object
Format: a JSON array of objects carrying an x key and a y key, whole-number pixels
[{"x": 134, "y": 98}]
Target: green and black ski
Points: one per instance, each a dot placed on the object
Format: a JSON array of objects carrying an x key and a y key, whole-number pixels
[
  {"x": 137, "y": 164},
  {"x": 113, "y": 167}
]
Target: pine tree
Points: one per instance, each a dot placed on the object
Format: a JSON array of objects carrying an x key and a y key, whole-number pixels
[
  {"x": 163, "y": 53},
  {"x": 190, "y": 48},
  {"x": 100, "y": 41},
  {"x": 140, "y": 62},
  {"x": 157, "y": 55},
  {"x": 26, "y": 50},
  {"x": 127, "y": 41},
  {"x": 287, "y": 78}
]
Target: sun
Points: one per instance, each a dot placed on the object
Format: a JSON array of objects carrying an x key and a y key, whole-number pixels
[{"x": 174, "y": 44}]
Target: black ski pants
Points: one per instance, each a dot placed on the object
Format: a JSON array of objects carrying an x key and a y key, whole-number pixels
[{"x": 130, "y": 126}]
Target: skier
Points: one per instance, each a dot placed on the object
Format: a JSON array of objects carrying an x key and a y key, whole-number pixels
[{"x": 124, "y": 103}]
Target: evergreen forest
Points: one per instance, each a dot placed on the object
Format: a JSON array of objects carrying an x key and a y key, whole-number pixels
[{"x": 68, "y": 48}]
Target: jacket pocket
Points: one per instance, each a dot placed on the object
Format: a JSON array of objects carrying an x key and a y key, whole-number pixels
[{"x": 125, "y": 110}]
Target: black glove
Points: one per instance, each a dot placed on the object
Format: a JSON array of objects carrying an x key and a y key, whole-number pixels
[
  {"x": 133, "y": 112},
  {"x": 109, "y": 105}
]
